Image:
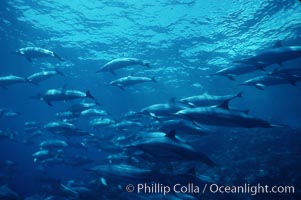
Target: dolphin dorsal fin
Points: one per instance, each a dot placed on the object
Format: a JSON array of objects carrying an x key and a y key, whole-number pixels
[
  {"x": 205, "y": 93},
  {"x": 278, "y": 44},
  {"x": 171, "y": 134},
  {"x": 224, "y": 105}
]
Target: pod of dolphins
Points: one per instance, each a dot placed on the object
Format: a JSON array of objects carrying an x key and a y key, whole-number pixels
[
  {"x": 144, "y": 145},
  {"x": 271, "y": 56}
]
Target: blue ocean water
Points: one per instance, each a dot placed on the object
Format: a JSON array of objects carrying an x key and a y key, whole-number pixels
[{"x": 185, "y": 41}]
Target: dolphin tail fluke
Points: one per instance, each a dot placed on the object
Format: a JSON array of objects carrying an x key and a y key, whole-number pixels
[
  {"x": 89, "y": 95},
  {"x": 147, "y": 65},
  {"x": 58, "y": 57},
  {"x": 59, "y": 72}
]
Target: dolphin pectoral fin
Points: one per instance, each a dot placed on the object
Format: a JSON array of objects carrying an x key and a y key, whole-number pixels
[
  {"x": 29, "y": 59},
  {"x": 231, "y": 77},
  {"x": 113, "y": 72},
  {"x": 259, "y": 86},
  {"x": 58, "y": 57},
  {"x": 225, "y": 104},
  {"x": 103, "y": 181},
  {"x": 191, "y": 104},
  {"x": 49, "y": 103},
  {"x": 153, "y": 115},
  {"x": 121, "y": 87},
  {"x": 171, "y": 134}
]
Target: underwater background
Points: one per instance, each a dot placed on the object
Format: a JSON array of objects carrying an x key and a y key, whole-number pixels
[{"x": 185, "y": 41}]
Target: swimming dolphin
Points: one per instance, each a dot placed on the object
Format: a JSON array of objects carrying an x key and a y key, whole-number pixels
[
  {"x": 261, "y": 82},
  {"x": 121, "y": 63},
  {"x": 61, "y": 95},
  {"x": 53, "y": 144},
  {"x": 162, "y": 110},
  {"x": 222, "y": 116},
  {"x": 276, "y": 55},
  {"x": 287, "y": 73},
  {"x": 65, "y": 129},
  {"x": 167, "y": 148},
  {"x": 207, "y": 99},
  {"x": 130, "y": 80},
  {"x": 233, "y": 71},
  {"x": 35, "y": 52},
  {"x": 11, "y": 80},
  {"x": 36, "y": 78}
]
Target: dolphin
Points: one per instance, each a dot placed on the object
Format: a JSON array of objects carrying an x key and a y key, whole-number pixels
[
  {"x": 65, "y": 129},
  {"x": 130, "y": 80},
  {"x": 233, "y": 71},
  {"x": 287, "y": 73},
  {"x": 261, "y": 82},
  {"x": 207, "y": 99},
  {"x": 35, "y": 52},
  {"x": 121, "y": 63},
  {"x": 36, "y": 78},
  {"x": 11, "y": 80},
  {"x": 124, "y": 173},
  {"x": 93, "y": 112},
  {"x": 222, "y": 116},
  {"x": 276, "y": 55},
  {"x": 7, "y": 193},
  {"x": 162, "y": 110},
  {"x": 167, "y": 148},
  {"x": 53, "y": 144},
  {"x": 183, "y": 127},
  {"x": 61, "y": 95}
]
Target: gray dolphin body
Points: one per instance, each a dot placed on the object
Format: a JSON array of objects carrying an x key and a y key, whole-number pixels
[
  {"x": 8, "y": 194},
  {"x": 162, "y": 110},
  {"x": 36, "y": 78},
  {"x": 207, "y": 99},
  {"x": 261, "y": 82},
  {"x": 233, "y": 71},
  {"x": 167, "y": 148},
  {"x": 183, "y": 127},
  {"x": 121, "y": 63},
  {"x": 62, "y": 95},
  {"x": 123, "y": 174},
  {"x": 11, "y": 80},
  {"x": 218, "y": 116},
  {"x": 276, "y": 55},
  {"x": 65, "y": 129},
  {"x": 53, "y": 144},
  {"x": 290, "y": 73},
  {"x": 130, "y": 80},
  {"x": 35, "y": 52}
]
